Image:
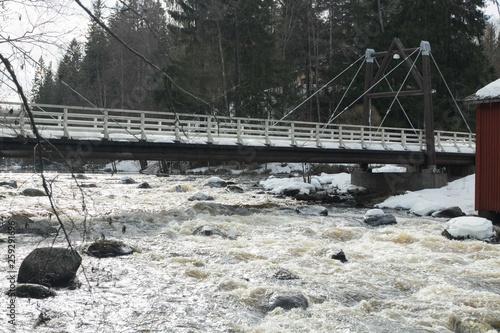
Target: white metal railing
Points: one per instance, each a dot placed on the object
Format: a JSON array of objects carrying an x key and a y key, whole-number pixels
[{"x": 56, "y": 121}]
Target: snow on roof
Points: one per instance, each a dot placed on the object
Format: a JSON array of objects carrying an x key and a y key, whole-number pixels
[{"x": 490, "y": 92}]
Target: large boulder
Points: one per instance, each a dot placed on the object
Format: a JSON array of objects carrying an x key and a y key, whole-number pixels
[
  {"x": 469, "y": 227},
  {"x": 50, "y": 266},
  {"x": 24, "y": 225},
  {"x": 108, "y": 248},
  {"x": 289, "y": 302}
]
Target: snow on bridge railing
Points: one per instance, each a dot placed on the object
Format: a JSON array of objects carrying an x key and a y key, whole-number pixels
[{"x": 56, "y": 121}]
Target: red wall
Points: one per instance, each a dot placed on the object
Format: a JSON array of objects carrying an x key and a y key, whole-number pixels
[{"x": 487, "y": 196}]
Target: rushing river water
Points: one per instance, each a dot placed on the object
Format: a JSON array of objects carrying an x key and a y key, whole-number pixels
[{"x": 398, "y": 278}]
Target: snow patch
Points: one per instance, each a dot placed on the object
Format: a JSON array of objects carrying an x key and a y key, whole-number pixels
[
  {"x": 374, "y": 212},
  {"x": 457, "y": 193},
  {"x": 389, "y": 168},
  {"x": 280, "y": 185}
]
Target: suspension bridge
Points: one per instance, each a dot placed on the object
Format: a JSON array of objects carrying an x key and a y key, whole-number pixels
[{"x": 91, "y": 133}]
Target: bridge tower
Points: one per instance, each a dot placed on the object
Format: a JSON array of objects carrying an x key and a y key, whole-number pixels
[{"x": 423, "y": 80}]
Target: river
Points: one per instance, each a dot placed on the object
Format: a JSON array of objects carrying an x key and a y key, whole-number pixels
[{"x": 399, "y": 278}]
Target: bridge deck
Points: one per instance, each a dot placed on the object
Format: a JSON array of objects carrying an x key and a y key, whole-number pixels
[{"x": 130, "y": 134}]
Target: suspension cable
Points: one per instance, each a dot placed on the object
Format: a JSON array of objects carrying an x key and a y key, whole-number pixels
[
  {"x": 449, "y": 91},
  {"x": 368, "y": 90},
  {"x": 347, "y": 89},
  {"x": 317, "y": 91},
  {"x": 399, "y": 102},
  {"x": 397, "y": 94}
]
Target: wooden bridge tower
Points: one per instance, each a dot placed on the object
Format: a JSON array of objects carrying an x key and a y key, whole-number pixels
[{"x": 423, "y": 80}]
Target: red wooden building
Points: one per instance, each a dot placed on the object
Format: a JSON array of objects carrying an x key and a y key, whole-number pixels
[{"x": 487, "y": 192}]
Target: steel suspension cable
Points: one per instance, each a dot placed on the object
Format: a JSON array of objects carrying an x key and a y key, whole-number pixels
[
  {"x": 397, "y": 93},
  {"x": 367, "y": 91},
  {"x": 400, "y": 105},
  {"x": 347, "y": 90},
  {"x": 317, "y": 91},
  {"x": 449, "y": 91}
]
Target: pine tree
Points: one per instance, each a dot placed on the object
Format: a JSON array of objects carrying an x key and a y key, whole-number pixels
[
  {"x": 96, "y": 61},
  {"x": 142, "y": 26},
  {"x": 69, "y": 74},
  {"x": 43, "y": 91}
]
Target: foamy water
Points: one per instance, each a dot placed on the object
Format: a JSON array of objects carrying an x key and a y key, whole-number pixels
[{"x": 399, "y": 278}]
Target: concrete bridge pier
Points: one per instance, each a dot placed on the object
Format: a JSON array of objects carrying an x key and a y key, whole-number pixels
[
  {"x": 413, "y": 179},
  {"x": 396, "y": 182}
]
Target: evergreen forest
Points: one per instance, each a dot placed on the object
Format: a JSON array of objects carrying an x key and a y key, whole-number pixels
[{"x": 272, "y": 58}]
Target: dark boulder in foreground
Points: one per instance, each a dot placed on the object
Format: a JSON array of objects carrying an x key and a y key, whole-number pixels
[
  {"x": 108, "y": 248},
  {"x": 31, "y": 290},
  {"x": 50, "y": 266},
  {"x": 289, "y": 302},
  {"x": 24, "y": 225},
  {"x": 33, "y": 192}
]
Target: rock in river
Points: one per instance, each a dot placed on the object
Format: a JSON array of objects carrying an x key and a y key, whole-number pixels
[
  {"x": 108, "y": 248},
  {"x": 50, "y": 266},
  {"x": 289, "y": 302}
]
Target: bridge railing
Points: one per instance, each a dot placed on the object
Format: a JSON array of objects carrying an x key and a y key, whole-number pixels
[{"x": 54, "y": 121}]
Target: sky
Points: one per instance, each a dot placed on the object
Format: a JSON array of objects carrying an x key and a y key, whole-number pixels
[{"x": 56, "y": 22}]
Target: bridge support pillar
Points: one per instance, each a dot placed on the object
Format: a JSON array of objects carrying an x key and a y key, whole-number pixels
[
  {"x": 143, "y": 164},
  {"x": 393, "y": 182}
]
